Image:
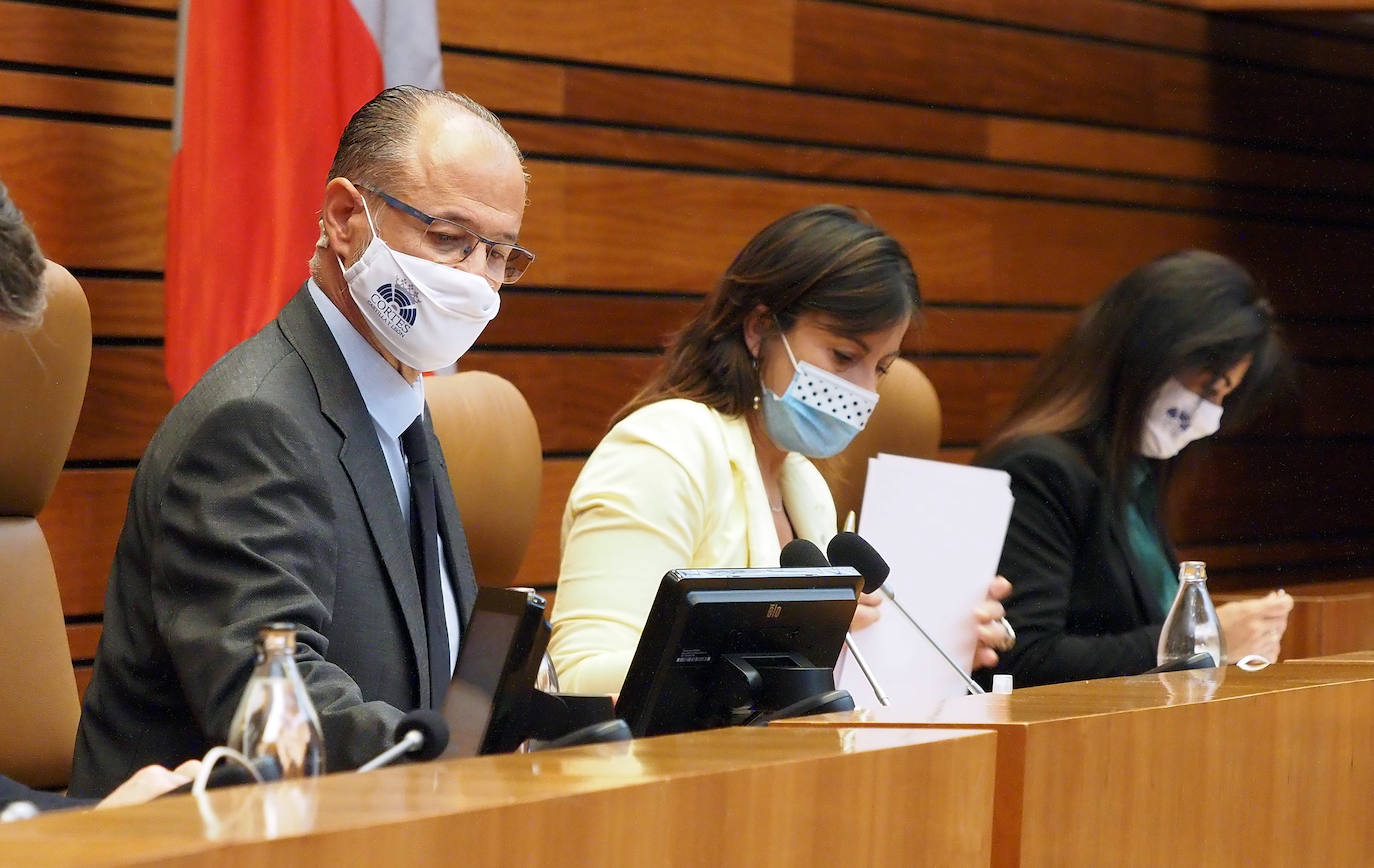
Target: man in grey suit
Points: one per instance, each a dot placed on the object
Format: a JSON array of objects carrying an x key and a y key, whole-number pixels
[{"x": 284, "y": 486}]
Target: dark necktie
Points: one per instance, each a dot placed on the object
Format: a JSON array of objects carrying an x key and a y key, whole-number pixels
[{"x": 424, "y": 545}]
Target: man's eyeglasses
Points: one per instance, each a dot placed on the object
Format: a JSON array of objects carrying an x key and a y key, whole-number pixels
[{"x": 449, "y": 243}]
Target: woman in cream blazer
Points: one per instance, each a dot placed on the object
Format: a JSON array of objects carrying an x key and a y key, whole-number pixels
[{"x": 707, "y": 466}]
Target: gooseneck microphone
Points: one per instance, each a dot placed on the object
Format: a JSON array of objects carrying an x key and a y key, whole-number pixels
[
  {"x": 804, "y": 553},
  {"x": 851, "y": 550},
  {"x": 422, "y": 733}
]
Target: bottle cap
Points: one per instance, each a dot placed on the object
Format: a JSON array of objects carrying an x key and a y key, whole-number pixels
[{"x": 1001, "y": 684}]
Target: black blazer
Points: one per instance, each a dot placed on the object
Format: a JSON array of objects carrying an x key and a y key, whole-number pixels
[
  {"x": 263, "y": 496},
  {"x": 1078, "y": 604}
]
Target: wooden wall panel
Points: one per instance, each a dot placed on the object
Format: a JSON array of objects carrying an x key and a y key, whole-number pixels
[
  {"x": 1027, "y": 154},
  {"x": 77, "y": 38},
  {"x": 929, "y": 59},
  {"x": 711, "y": 37},
  {"x": 95, "y": 194},
  {"x": 82, "y": 523}
]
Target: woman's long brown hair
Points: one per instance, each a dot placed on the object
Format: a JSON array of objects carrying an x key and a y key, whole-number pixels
[{"x": 827, "y": 260}]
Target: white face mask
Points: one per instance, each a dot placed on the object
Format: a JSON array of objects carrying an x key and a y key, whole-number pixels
[
  {"x": 425, "y": 314},
  {"x": 1177, "y": 417}
]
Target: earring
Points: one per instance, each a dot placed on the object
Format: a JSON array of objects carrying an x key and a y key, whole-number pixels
[{"x": 756, "y": 401}]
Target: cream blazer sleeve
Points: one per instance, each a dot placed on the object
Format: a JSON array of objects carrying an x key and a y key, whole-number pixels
[{"x": 674, "y": 485}]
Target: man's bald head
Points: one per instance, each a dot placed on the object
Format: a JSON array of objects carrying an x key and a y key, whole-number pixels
[{"x": 377, "y": 147}]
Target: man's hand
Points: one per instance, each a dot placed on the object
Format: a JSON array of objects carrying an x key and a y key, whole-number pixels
[{"x": 150, "y": 782}]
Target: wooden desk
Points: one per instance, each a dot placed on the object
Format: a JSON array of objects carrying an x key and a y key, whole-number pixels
[
  {"x": 1327, "y": 617},
  {"x": 742, "y": 796},
  {"x": 1212, "y": 767},
  {"x": 1348, "y": 657}
]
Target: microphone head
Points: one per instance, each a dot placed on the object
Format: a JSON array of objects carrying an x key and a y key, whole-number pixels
[
  {"x": 802, "y": 553},
  {"x": 851, "y": 550},
  {"x": 431, "y": 725}
]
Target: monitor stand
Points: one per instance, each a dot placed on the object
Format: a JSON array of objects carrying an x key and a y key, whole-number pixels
[{"x": 751, "y": 689}]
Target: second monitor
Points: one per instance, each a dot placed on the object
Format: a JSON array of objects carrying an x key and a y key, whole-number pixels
[{"x": 730, "y": 647}]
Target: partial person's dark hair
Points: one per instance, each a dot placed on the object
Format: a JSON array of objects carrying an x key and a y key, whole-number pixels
[
  {"x": 1182, "y": 313},
  {"x": 376, "y": 147},
  {"x": 826, "y": 260},
  {"x": 21, "y": 268}
]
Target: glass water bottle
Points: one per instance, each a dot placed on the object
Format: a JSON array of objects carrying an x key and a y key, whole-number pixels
[
  {"x": 275, "y": 719},
  {"x": 1192, "y": 626}
]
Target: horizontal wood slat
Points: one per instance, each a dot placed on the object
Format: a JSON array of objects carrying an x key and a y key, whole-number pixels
[
  {"x": 645, "y": 99},
  {"x": 711, "y": 37},
  {"x": 1251, "y": 492},
  {"x": 95, "y": 195},
  {"x": 125, "y": 307},
  {"x": 72, "y": 93},
  {"x": 126, "y": 399},
  {"x": 83, "y": 640},
  {"x": 995, "y": 68},
  {"x": 82, "y": 522},
  {"x": 88, "y": 39},
  {"x": 852, "y": 167}
]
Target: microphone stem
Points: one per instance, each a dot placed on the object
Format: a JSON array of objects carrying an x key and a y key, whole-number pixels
[
  {"x": 973, "y": 686},
  {"x": 409, "y": 742},
  {"x": 863, "y": 666}
]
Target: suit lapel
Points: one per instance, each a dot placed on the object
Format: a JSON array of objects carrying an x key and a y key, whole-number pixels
[{"x": 362, "y": 459}]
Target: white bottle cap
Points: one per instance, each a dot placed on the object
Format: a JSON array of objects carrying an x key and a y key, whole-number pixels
[{"x": 1001, "y": 684}]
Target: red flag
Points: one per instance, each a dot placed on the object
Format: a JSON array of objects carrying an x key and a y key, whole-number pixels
[{"x": 264, "y": 90}]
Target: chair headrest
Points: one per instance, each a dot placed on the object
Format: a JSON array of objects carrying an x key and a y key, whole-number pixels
[
  {"x": 42, "y": 384},
  {"x": 491, "y": 446}
]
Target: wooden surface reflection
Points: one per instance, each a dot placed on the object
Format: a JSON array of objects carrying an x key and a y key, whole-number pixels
[
  {"x": 1211, "y": 767},
  {"x": 1348, "y": 657},
  {"x": 743, "y": 796}
]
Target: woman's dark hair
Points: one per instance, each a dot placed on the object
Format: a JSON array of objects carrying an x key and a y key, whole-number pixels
[
  {"x": 1185, "y": 312},
  {"x": 827, "y": 260}
]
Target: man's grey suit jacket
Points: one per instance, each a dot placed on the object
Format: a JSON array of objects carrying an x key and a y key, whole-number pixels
[{"x": 263, "y": 496}]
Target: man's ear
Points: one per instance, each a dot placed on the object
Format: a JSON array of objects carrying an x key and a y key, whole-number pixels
[
  {"x": 343, "y": 224},
  {"x": 757, "y": 326}
]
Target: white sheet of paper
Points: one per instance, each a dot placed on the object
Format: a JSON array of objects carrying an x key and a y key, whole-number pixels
[{"x": 940, "y": 526}]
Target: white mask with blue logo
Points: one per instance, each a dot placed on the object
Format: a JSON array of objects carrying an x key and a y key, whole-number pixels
[
  {"x": 1177, "y": 417},
  {"x": 425, "y": 314},
  {"x": 819, "y": 413}
]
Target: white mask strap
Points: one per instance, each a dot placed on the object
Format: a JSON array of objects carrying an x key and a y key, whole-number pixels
[{"x": 785, "y": 344}]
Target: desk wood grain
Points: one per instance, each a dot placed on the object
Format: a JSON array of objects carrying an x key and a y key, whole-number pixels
[
  {"x": 742, "y": 796},
  {"x": 1211, "y": 767}
]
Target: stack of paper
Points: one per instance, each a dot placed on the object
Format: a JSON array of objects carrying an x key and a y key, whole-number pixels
[{"x": 940, "y": 527}]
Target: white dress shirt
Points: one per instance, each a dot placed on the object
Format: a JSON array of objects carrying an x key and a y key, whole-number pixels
[{"x": 393, "y": 405}]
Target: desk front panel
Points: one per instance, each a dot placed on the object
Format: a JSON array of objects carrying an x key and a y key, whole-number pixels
[{"x": 1212, "y": 767}]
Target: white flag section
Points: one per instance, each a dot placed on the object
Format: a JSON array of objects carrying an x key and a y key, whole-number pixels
[
  {"x": 940, "y": 527},
  {"x": 407, "y": 36}
]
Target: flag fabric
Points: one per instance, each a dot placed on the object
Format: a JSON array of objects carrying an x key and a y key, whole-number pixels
[{"x": 264, "y": 88}]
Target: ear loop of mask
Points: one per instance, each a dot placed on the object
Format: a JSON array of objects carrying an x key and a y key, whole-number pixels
[
  {"x": 370, "y": 225},
  {"x": 785, "y": 344}
]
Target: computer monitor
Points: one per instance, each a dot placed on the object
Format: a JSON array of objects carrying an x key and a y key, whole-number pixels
[{"x": 724, "y": 647}]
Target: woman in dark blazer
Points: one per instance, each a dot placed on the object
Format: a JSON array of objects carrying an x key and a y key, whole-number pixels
[{"x": 1145, "y": 370}]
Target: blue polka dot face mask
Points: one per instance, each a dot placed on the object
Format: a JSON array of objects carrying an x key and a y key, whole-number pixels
[{"x": 819, "y": 413}]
